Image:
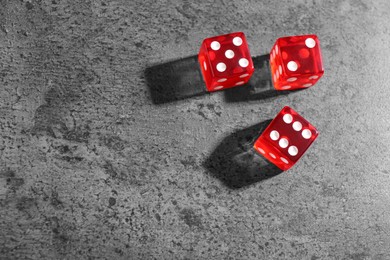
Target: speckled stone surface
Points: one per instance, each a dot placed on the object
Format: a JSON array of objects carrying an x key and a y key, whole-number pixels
[{"x": 95, "y": 163}]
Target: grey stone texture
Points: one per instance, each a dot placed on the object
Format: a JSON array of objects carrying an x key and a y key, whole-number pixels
[{"x": 91, "y": 167}]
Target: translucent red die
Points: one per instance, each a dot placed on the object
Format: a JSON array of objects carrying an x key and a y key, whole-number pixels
[
  {"x": 225, "y": 61},
  {"x": 286, "y": 138},
  {"x": 296, "y": 62}
]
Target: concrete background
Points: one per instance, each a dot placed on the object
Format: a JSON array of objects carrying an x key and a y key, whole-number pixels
[{"x": 92, "y": 166}]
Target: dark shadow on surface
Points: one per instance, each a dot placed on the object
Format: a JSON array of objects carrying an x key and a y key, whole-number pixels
[
  {"x": 175, "y": 80},
  {"x": 259, "y": 86},
  {"x": 236, "y": 163},
  {"x": 181, "y": 79}
]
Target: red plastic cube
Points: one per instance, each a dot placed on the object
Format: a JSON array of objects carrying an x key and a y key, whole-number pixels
[
  {"x": 296, "y": 62},
  {"x": 286, "y": 138},
  {"x": 225, "y": 61}
]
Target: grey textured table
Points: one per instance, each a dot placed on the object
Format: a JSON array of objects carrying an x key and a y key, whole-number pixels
[{"x": 99, "y": 161}]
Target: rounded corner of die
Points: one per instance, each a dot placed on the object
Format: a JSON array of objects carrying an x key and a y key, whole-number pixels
[
  {"x": 315, "y": 37},
  {"x": 209, "y": 86},
  {"x": 284, "y": 167},
  {"x": 251, "y": 67},
  {"x": 316, "y": 133},
  {"x": 239, "y": 33},
  {"x": 286, "y": 108},
  {"x": 200, "y": 57}
]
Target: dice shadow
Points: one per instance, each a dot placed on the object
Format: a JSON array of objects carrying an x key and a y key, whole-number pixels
[
  {"x": 182, "y": 79},
  {"x": 235, "y": 162},
  {"x": 260, "y": 85},
  {"x": 175, "y": 80}
]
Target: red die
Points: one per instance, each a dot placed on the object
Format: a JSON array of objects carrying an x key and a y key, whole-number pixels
[
  {"x": 225, "y": 61},
  {"x": 296, "y": 62},
  {"x": 286, "y": 138}
]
